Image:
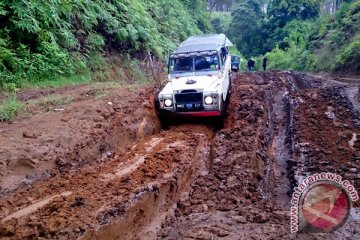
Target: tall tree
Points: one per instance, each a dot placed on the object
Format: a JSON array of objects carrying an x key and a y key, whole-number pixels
[
  {"x": 197, "y": 8},
  {"x": 220, "y": 5},
  {"x": 281, "y": 12},
  {"x": 216, "y": 23},
  {"x": 246, "y": 27}
]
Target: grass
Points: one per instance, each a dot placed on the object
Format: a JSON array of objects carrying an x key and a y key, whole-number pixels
[
  {"x": 113, "y": 72},
  {"x": 127, "y": 73},
  {"x": 100, "y": 94},
  {"x": 58, "y": 82},
  {"x": 49, "y": 102},
  {"x": 9, "y": 109},
  {"x": 133, "y": 88},
  {"x": 106, "y": 85}
]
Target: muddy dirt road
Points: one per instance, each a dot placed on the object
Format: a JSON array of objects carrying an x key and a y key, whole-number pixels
[{"x": 192, "y": 181}]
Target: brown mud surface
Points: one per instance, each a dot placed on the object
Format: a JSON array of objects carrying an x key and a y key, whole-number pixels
[
  {"x": 191, "y": 181},
  {"x": 49, "y": 137}
]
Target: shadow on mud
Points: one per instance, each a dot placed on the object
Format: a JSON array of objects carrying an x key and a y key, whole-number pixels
[{"x": 212, "y": 122}]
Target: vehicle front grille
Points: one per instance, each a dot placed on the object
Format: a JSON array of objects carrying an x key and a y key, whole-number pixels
[
  {"x": 188, "y": 98},
  {"x": 188, "y": 91}
]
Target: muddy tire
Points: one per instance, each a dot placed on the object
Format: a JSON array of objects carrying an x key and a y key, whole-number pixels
[
  {"x": 219, "y": 122},
  {"x": 164, "y": 121},
  {"x": 156, "y": 107}
]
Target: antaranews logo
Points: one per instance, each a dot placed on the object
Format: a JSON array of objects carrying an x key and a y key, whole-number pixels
[{"x": 321, "y": 203}]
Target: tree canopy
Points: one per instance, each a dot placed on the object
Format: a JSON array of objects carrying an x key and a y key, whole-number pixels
[
  {"x": 45, "y": 38},
  {"x": 246, "y": 27}
]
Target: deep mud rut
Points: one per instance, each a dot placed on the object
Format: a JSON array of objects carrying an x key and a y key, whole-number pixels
[{"x": 194, "y": 181}]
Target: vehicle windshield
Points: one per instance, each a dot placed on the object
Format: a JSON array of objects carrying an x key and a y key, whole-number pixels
[{"x": 194, "y": 63}]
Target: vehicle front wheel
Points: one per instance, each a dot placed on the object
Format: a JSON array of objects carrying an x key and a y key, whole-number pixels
[
  {"x": 219, "y": 122},
  {"x": 224, "y": 104},
  {"x": 164, "y": 121}
]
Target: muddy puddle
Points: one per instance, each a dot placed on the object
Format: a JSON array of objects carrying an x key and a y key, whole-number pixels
[{"x": 196, "y": 181}]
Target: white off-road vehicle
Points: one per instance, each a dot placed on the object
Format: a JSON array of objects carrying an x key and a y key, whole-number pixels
[{"x": 199, "y": 78}]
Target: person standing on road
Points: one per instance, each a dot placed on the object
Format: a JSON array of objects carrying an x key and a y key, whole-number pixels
[
  {"x": 251, "y": 65},
  {"x": 264, "y": 65}
]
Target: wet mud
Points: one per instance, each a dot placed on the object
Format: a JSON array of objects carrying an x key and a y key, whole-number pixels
[
  {"x": 196, "y": 181},
  {"x": 87, "y": 130}
]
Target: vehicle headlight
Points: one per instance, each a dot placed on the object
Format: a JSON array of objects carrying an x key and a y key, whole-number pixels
[
  {"x": 168, "y": 103},
  {"x": 209, "y": 100}
]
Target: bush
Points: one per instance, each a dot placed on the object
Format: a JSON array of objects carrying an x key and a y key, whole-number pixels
[
  {"x": 349, "y": 57},
  {"x": 44, "y": 39},
  {"x": 330, "y": 43},
  {"x": 9, "y": 109}
]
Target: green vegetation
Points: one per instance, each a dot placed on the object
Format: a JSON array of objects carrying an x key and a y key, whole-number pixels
[
  {"x": 100, "y": 94},
  {"x": 220, "y": 21},
  {"x": 58, "y": 81},
  {"x": 51, "y": 102},
  {"x": 245, "y": 28},
  {"x": 331, "y": 43},
  {"x": 256, "y": 31},
  {"x": 101, "y": 86},
  {"x": 45, "y": 42},
  {"x": 299, "y": 34},
  {"x": 9, "y": 108},
  {"x": 280, "y": 13},
  {"x": 51, "y": 43},
  {"x": 349, "y": 57}
]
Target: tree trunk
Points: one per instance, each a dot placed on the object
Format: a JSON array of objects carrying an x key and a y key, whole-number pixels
[{"x": 337, "y": 5}]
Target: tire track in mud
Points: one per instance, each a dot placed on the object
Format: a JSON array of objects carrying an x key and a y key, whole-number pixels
[
  {"x": 257, "y": 159},
  {"x": 124, "y": 192},
  {"x": 235, "y": 200},
  {"x": 193, "y": 182},
  {"x": 325, "y": 130}
]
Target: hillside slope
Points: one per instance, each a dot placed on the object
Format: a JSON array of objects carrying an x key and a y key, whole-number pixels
[{"x": 45, "y": 39}]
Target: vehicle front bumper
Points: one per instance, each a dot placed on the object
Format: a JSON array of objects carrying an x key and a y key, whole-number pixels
[{"x": 171, "y": 114}]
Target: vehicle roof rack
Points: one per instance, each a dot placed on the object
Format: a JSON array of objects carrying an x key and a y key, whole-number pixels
[{"x": 202, "y": 43}]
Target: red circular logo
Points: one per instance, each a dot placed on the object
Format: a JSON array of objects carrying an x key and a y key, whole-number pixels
[{"x": 325, "y": 206}]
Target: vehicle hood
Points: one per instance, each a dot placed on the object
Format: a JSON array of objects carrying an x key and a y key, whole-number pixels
[{"x": 198, "y": 82}]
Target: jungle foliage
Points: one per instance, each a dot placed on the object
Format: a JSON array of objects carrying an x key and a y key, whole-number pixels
[
  {"x": 245, "y": 28},
  {"x": 48, "y": 42},
  {"x": 328, "y": 43},
  {"x": 48, "y": 39},
  {"x": 303, "y": 35}
]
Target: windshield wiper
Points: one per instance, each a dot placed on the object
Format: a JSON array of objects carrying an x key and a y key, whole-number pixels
[
  {"x": 175, "y": 72},
  {"x": 207, "y": 70}
]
